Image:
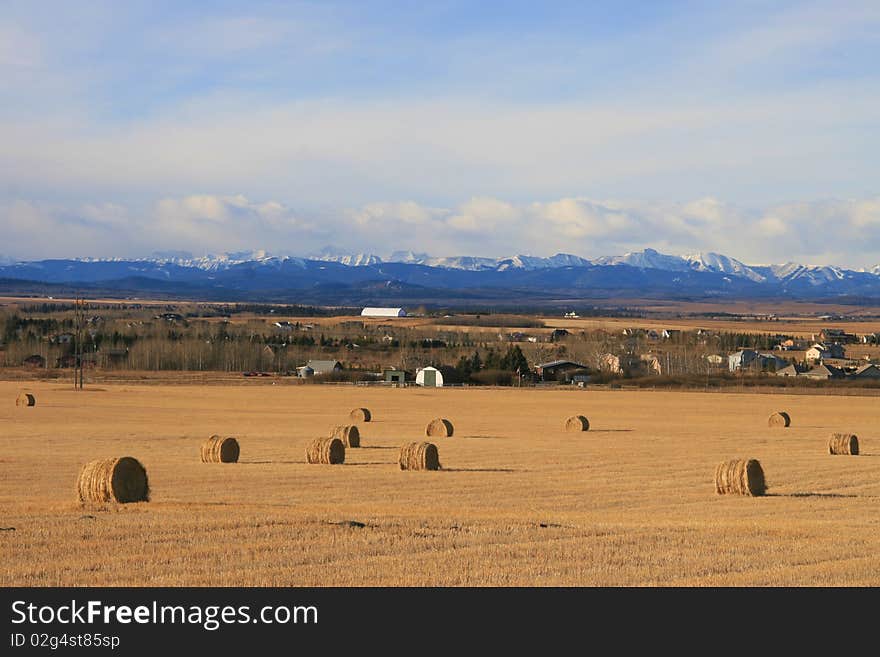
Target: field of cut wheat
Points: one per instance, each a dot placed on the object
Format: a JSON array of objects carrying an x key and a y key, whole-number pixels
[{"x": 517, "y": 500}]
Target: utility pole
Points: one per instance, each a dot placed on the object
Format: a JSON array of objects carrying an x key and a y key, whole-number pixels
[{"x": 79, "y": 320}]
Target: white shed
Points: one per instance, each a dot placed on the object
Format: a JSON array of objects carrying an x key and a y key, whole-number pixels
[
  {"x": 383, "y": 312},
  {"x": 429, "y": 377}
]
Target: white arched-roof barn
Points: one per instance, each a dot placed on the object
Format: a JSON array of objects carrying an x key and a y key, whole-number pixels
[
  {"x": 430, "y": 377},
  {"x": 383, "y": 312}
]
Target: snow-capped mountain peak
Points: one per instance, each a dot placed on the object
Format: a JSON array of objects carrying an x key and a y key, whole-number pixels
[
  {"x": 724, "y": 265},
  {"x": 647, "y": 259}
]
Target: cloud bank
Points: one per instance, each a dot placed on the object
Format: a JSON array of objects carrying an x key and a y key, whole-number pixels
[{"x": 481, "y": 226}]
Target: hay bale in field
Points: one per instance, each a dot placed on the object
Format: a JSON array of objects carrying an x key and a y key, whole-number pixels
[
  {"x": 439, "y": 428},
  {"x": 348, "y": 434},
  {"x": 740, "y": 477},
  {"x": 844, "y": 443},
  {"x": 119, "y": 480},
  {"x": 577, "y": 423},
  {"x": 326, "y": 450},
  {"x": 419, "y": 456},
  {"x": 780, "y": 419},
  {"x": 25, "y": 399},
  {"x": 218, "y": 449},
  {"x": 360, "y": 415}
]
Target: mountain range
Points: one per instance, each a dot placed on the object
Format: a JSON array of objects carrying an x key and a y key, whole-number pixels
[{"x": 332, "y": 278}]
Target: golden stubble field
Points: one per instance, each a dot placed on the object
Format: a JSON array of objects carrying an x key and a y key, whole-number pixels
[{"x": 519, "y": 502}]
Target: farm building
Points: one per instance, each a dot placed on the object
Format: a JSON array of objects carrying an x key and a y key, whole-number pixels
[
  {"x": 324, "y": 366},
  {"x": 430, "y": 377},
  {"x": 383, "y": 312},
  {"x": 559, "y": 370},
  {"x": 393, "y": 375}
]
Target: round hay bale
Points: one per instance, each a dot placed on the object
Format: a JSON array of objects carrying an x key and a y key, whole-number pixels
[
  {"x": 326, "y": 450},
  {"x": 360, "y": 415},
  {"x": 844, "y": 443},
  {"x": 577, "y": 423},
  {"x": 419, "y": 456},
  {"x": 25, "y": 399},
  {"x": 780, "y": 420},
  {"x": 439, "y": 428},
  {"x": 740, "y": 477},
  {"x": 348, "y": 434},
  {"x": 218, "y": 449},
  {"x": 119, "y": 480}
]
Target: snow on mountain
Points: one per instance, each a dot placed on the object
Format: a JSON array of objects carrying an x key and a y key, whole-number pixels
[
  {"x": 474, "y": 263},
  {"x": 532, "y": 262},
  {"x": 647, "y": 259},
  {"x": 724, "y": 265},
  {"x": 209, "y": 262},
  {"x": 352, "y": 260},
  {"x": 812, "y": 274},
  {"x": 408, "y": 257}
]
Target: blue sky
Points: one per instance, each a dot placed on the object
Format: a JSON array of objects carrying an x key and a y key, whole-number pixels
[{"x": 457, "y": 127}]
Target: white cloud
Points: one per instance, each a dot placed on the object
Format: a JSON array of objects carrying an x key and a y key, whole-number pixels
[{"x": 822, "y": 232}]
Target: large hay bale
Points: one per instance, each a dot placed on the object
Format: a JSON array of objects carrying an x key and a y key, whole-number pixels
[
  {"x": 348, "y": 434},
  {"x": 25, "y": 399},
  {"x": 218, "y": 449},
  {"x": 577, "y": 423},
  {"x": 780, "y": 420},
  {"x": 119, "y": 480},
  {"x": 419, "y": 456},
  {"x": 360, "y": 415},
  {"x": 843, "y": 443},
  {"x": 439, "y": 428},
  {"x": 326, "y": 450},
  {"x": 740, "y": 477}
]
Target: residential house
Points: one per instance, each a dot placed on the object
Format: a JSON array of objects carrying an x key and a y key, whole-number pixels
[
  {"x": 819, "y": 352},
  {"x": 868, "y": 371},
  {"x": 749, "y": 359},
  {"x": 836, "y": 335},
  {"x": 792, "y": 370},
  {"x": 824, "y": 372}
]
